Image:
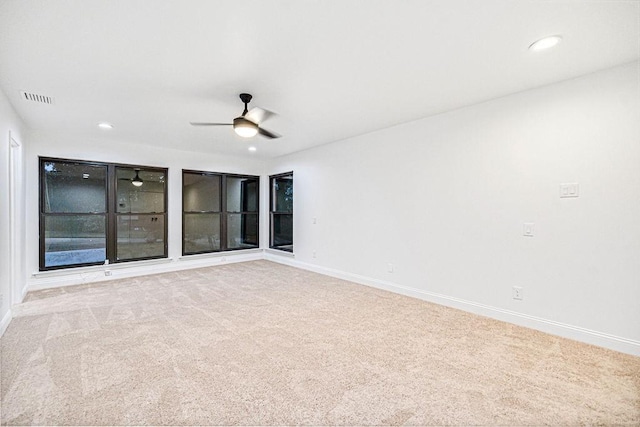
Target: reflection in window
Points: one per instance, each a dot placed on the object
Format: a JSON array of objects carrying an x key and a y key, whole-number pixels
[
  {"x": 201, "y": 232},
  {"x": 146, "y": 197},
  {"x": 81, "y": 223},
  {"x": 242, "y": 212},
  {"x": 281, "y": 212},
  {"x": 73, "y": 200},
  {"x": 220, "y": 212},
  {"x": 74, "y": 239},
  {"x": 140, "y": 236},
  {"x": 140, "y": 209},
  {"x": 242, "y": 231}
]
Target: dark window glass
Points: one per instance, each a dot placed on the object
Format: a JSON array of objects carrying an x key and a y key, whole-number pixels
[
  {"x": 220, "y": 212},
  {"x": 242, "y": 195},
  {"x": 201, "y": 192},
  {"x": 281, "y": 212},
  {"x": 74, "y": 239},
  {"x": 73, "y": 200},
  {"x": 140, "y": 194},
  {"x": 140, "y": 236},
  {"x": 92, "y": 212},
  {"x": 201, "y": 232},
  {"x": 145, "y": 197},
  {"x": 283, "y": 194},
  {"x": 283, "y": 231},
  {"x": 74, "y": 187},
  {"x": 242, "y": 231}
]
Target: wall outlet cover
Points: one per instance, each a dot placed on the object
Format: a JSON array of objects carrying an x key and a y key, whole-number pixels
[
  {"x": 569, "y": 190},
  {"x": 517, "y": 292}
]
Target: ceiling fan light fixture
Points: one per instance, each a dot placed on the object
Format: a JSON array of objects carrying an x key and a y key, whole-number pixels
[
  {"x": 136, "y": 180},
  {"x": 245, "y": 128}
]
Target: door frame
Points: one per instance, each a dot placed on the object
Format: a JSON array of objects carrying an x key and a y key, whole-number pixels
[{"x": 16, "y": 219}]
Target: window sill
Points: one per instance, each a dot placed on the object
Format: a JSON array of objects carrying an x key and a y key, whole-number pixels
[
  {"x": 92, "y": 268},
  {"x": 219, "y": 254},
  {"x": 280, "y": 252}
]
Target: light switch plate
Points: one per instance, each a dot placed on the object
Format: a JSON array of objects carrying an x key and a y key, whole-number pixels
[
  {"x": 569, "y": 190},
  {"x": 528, "y": 229}
]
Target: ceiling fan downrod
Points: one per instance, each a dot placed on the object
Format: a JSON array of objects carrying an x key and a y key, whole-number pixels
[{"x": 246, "y": 98}]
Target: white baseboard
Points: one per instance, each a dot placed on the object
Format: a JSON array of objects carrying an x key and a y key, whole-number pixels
[
  {"x": 612, "y": 342},
  {"x": 23, "y": 293},
  {"x": 82, "y": 275},
  {"x": 4, "y": 323},
  {"x": 59, "y": 278}
]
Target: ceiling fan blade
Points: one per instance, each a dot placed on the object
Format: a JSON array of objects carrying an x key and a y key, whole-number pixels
[
  {"x": 267, "y": 133},
  {"x": 210, "y": 124},
  {"x": 258, "y": 115}
]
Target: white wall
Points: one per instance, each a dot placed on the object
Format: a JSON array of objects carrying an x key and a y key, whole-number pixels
[
  {"x": 110, "y": 149},
  {"x": 10, "y": 124},
  {"x": 444, "y": 200}
]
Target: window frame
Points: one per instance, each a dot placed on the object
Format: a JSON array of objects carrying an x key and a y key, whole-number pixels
[
  {"x": 272, "y": 212},
  {"x": 110, "y": 214},
  {"x": 224, "y": 212},
  {"x": 114, "y": 211}
]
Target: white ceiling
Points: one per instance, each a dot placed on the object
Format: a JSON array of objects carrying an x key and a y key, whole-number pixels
[{"x": 330, "y": 69}]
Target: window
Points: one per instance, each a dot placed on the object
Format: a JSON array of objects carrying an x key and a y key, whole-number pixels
[
  {"x": 92, "y": 212},
  {"x": 140, "y": 214},
  {"x": 281, "y": 212},
  {"x": 73, "y": 220},
  {"x": 220, "y": 212}
]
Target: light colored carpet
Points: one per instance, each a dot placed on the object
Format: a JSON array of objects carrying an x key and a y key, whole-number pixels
[{"x": 262, "y": 344}]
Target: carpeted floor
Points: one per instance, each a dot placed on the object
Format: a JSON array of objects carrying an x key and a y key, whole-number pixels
[{"x": 259, "y": 343}]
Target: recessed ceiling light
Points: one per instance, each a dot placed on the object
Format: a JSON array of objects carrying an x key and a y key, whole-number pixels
[
  {"x": 252, "y": 148},
  {"x": 545, "y": 43},
  {"x": 105, "y": 125}
]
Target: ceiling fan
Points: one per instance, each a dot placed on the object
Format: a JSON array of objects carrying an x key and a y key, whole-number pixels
[{"x": 248, "y": 124}]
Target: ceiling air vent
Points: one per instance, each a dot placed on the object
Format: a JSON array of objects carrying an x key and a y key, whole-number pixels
[{"x": 42, "y": 99}]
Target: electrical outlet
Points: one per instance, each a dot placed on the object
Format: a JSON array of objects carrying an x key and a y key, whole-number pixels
[
  {"x": 517, "y": 292},
  {"x": 313, "y": 254},
  {"x": 390, "y": 268},
  {"x": 1, "y": 299},
  {"x": 569, "y": 190}
]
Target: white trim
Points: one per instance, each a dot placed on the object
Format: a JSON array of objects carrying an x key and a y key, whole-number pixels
[
  {"x": 218, "y": 254},
  {"x": 15, "y": 219},
  {"x": 82, "y": 275},
  {"x": 23, "y": 293},
  {"x": 564, "y": 330},
  {"x": 102, "y": 267},
  {"x": 4, "y": 323},
  {"x": 67, "y": 277},
  {"x": 279, "y": 253},
  {"x": 14, "y": 143}
]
